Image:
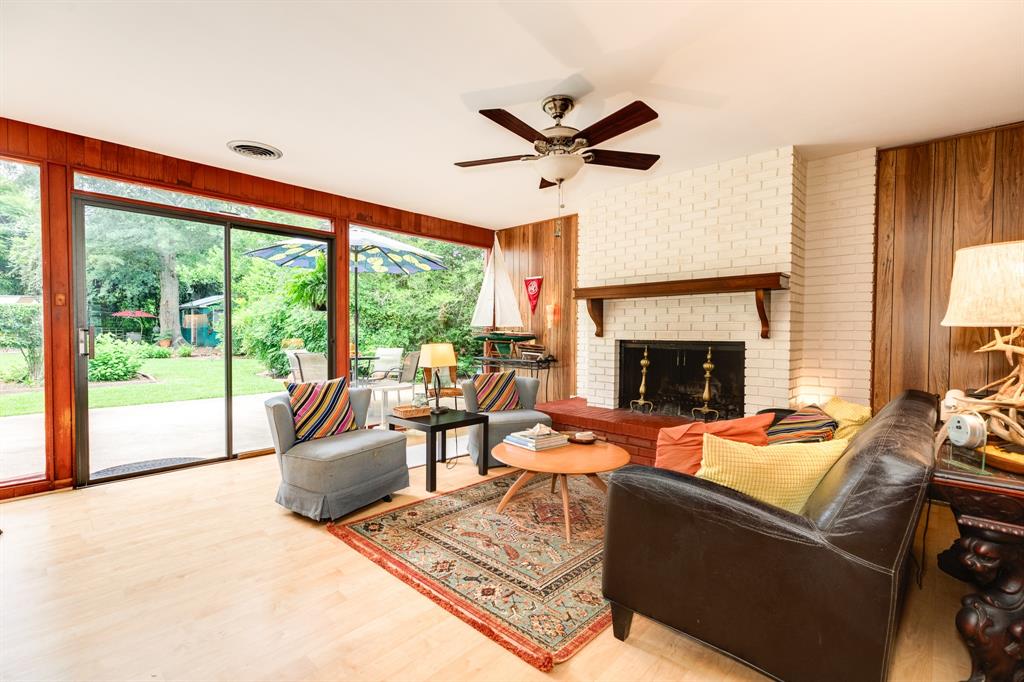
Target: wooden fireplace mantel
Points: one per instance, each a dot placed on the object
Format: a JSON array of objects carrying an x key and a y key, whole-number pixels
[{"x": 762, "y": 285}]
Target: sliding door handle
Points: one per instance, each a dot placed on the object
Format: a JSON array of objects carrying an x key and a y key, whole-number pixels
[{"x": 87, "y": 342}]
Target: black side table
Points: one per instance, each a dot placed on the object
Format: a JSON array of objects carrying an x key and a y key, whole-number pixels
[{"x": 434, "y": 424}]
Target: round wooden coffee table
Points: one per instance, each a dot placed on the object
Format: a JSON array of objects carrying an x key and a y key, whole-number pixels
[{"x": 561, "y": 462}]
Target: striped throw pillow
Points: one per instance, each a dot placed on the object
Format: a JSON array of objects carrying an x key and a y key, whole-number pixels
[
  {"x": 782, "y": 475},
  {"x": 496, "y": 391},
  {"x": 321, "y": 409},
  {"x": 809, "y": 425}
]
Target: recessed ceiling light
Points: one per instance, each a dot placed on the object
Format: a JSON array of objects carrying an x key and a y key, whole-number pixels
[{"x": 255, "y": 150}]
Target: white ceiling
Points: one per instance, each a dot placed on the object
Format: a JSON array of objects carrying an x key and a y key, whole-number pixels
[{"x": 376, "y": 101}]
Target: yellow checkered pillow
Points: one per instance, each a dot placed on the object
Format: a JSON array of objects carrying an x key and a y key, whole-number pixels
[
  {"x": 783, "y": 475},
  {"x": 850, "y": 416}
]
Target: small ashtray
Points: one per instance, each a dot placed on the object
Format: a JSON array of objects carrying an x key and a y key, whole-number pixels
[{"x": 582, "y": 441}]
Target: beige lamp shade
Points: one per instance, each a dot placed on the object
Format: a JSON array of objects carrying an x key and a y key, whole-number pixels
[
  {"x": 988, "y": 287},
  {"x": 437, "y": 355}
]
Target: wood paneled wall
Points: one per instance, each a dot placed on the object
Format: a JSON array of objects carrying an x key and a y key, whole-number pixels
[
  {"x": 534, "y": 249},
  {"x": 935, "y": 198},
  {"x": 59, "y": 154}
]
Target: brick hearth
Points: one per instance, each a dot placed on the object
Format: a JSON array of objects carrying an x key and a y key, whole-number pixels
[{"x": 636, "y": 433}]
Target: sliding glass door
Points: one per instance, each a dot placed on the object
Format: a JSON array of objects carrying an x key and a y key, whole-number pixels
[
  {"x": 186, "y": 324},
  {"x": 152, "y": 381}
]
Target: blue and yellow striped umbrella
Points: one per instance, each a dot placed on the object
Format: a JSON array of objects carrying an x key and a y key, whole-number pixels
[{"x": 369, "y": 252}]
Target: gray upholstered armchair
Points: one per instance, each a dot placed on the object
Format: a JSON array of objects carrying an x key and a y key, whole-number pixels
[
  {"x": 329, "y": 477},
  {"x": 501, "y": 424}
]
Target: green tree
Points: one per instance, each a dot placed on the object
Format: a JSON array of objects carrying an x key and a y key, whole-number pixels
[
  {"x": 131, "y": 252},
  {"x": 20, "y": 207},
  {"x": 21, "y": 324}
]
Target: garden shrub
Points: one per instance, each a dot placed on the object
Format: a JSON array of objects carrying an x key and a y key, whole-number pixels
[
  {"x": 21, "y": 329},
  {"x": 154, "y": 352},
  {"x": 184, "y": 351},
  {"x": 260, "y": 329},
  {"x": 115, "y": 360},
  {"x": 16, "y": 374}
]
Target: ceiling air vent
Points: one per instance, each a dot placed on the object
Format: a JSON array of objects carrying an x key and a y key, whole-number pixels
[{"x": 254, "y": 150}]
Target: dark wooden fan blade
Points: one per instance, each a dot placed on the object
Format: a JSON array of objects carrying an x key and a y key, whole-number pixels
[
  {"x": 544, "y": 184},
  {"x": 625, "y": 119},
  {"x": 634, "y": 160},
  {"x": 510, "y": 122},
  {"x": 484, "y": 162}
]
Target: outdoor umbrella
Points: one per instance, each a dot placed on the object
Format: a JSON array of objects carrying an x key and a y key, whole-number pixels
[
  {"x": 368, "y": 252},
  {"x": 139, "y": 314}
]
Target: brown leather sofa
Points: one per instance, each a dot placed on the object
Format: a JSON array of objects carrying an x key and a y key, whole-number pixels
[{"x": 810, "y": 596}]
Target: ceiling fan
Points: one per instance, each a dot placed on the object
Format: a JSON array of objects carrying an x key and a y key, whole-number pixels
[{"x": 562, "y": 150}]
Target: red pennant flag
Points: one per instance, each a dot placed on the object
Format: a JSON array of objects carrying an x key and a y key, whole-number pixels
[{"x": 533, "y": 291}]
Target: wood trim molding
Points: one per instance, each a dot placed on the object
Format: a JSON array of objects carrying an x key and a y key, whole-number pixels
[{"x": 761, "y": 284}]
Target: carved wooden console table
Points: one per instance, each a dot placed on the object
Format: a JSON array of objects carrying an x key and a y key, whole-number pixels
[
  {"x": 989, "y": 508},
  {"x": 762, "y": 285}
]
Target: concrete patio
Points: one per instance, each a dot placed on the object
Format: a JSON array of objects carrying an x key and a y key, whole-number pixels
[{"x": 160, "y": 431}]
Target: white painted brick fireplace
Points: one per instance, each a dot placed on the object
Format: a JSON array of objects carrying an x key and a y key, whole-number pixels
[{"x": 743, "y": 216}]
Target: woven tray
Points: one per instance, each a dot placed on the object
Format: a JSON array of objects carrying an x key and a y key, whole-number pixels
[{"x": 407, "y": 411}]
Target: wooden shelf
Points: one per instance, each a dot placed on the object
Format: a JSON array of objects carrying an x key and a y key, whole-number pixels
[{"x": 762, "y": 285}]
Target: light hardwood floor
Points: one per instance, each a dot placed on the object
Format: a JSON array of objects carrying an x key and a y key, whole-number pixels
[{"x": 197, "y": 574}]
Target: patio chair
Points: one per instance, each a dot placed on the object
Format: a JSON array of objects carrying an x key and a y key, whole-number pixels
[
  {"x": 404, "y": 376},
  {"x": 307, "y": 366},
  {"x": 388, "y": 362},
  {"x": 329, "y": 477}
]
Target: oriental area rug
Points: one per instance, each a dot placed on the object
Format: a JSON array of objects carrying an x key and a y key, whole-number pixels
[{"x": 512, "y": 576}]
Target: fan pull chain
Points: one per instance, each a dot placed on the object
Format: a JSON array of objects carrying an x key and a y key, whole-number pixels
[{"x": 561, "y": 205}]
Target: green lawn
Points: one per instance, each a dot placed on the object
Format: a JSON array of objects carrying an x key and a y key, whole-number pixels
[{"x": 177, "y": 379}]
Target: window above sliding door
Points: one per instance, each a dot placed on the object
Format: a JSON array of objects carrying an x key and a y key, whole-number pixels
[{"x": 166, "y": 197}]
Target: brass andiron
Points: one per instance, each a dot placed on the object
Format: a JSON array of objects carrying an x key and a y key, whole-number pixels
[
  {"x": 641, "y": 405},
  {"x": 704, "y": 410}
]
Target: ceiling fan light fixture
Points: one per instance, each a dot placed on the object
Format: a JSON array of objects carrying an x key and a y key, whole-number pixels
[{"x": 559, "y": 167}]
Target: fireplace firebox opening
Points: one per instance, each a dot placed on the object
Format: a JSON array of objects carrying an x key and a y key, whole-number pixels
[{"x": 675, "y": 376}]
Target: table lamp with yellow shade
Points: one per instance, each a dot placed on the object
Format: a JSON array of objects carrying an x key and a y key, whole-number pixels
[
  {"x": 435, "y": 356},
  {"x": 988, "y": 291}
]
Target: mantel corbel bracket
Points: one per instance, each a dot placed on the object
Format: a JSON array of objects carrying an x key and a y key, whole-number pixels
[
  {"x": 763, "y": 300},
  {"x": 595, "y": 306}
]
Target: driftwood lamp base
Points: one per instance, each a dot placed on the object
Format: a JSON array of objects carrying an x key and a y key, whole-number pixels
[{"x": 1004, "y": 408}]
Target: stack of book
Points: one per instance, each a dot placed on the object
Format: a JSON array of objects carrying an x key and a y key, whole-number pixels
[{"x": 533, "y": 441}]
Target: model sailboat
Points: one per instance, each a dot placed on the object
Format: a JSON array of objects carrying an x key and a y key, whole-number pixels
[{"x": 497, "y": 310}]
